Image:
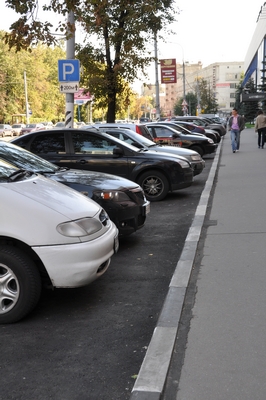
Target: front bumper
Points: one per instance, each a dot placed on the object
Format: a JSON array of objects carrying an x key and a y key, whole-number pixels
[{"x": 78, "y": 264}]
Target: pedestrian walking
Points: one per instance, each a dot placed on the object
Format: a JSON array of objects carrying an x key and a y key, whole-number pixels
[
  {"x": 236, "y": 124},
  {"x": 260, "y": 127}
]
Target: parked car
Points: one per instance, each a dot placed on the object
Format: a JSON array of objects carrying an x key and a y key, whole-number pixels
[
  {"x": 60, "y": 124},
  {"x": 93, "y": 150},
  {"x": 167, "y": 135},
  {"x": 6, "y": 130},
  {"x": 31, "y": 127},
  {"x": 51, "y": 235},
  {"x": 189, "y": 128},
  {"x": 139, "y": 128},
  {"x": 48, "y": 124},
  {"x": 80, "y": 124},
  {"x": 17, "y": 129},
  {"x": 201, "y": 122},
  {"x": 142, "y": 142},
  {"x": 123, "y": 200}
]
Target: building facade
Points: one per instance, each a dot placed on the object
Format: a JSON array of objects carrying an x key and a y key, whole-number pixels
[{"x": 256, "y": 54}]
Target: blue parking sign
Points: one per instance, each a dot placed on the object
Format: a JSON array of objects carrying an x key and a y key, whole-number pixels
[{"x": 68, "y": 71}]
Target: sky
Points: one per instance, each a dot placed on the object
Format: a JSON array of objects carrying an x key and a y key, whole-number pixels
[{"x": 207, "y": 30}]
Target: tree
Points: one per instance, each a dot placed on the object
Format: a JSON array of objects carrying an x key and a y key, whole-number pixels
[
  {"x": 208, "y": 101},
  {"x": 249, "y": 108},
  {"x": 40, "y": 66},
  {"x": 122, "y": 29}
]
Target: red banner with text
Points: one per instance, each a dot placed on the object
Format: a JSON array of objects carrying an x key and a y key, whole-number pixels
[{"x": 168, "y": 70}]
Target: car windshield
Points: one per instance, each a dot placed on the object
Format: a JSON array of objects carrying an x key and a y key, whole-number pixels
[
  {"x": 6, "y": 170},
  {"x": 22, "y": 158},
  {"x": 31, "y": 126},
  {"x": 2, "y": 126}
]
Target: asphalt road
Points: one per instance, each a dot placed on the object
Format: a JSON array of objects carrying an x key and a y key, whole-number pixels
[{"x": 89, "y": 343}]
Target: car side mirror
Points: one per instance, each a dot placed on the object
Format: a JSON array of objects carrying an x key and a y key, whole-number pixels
[
  {"x": 117, "y": 151},
  {"x": 175, "y": 136}
]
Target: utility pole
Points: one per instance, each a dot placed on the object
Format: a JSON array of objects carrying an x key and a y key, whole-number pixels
[
  {"x": 70, "y": 55},
  {"x": 157, "y": 89},
  {"x": 26, "y": 98}
]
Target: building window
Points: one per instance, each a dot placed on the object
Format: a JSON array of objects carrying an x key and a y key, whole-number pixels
[
  {"x": 232, "y": 95},
  {"x": 232, "y": 85},
  {"x": 232, "y": 105}
]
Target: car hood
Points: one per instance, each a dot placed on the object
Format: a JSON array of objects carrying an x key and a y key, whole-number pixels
[
  {"x": 175, "y": 150},
  {"x": 95, "y": 180},
  {"x": 59, "y": 198}
]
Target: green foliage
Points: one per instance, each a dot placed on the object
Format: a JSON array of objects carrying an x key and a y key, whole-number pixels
[
  {"x": 208, "y": 101},
  {"x": 121, "y": 29},
  {"x": 249, "y": 108},
  {"x": 40, "y": 68}
]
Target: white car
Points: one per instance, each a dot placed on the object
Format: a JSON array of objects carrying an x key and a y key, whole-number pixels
[
  {"x": 50, "y": 235},
  {"x": 17, "y": 128}
]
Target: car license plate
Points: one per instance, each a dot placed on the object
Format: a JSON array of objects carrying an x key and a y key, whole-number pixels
[{"x": 116, "y": 244}]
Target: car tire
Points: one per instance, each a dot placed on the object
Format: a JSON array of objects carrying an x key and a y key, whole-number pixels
[
  {"x": 20, "y": 285},
  {"x": 154, "y": 184},
  {"x": 198, "y": 149}
]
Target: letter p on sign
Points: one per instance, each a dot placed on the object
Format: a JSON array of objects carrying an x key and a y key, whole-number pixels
[{"x": 68, "y": 71}]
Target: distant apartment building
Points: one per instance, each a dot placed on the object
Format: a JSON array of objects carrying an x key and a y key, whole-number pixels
[{"x": 222, "y": 78}]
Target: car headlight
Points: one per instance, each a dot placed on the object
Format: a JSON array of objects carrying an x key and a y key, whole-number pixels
[
  {"x": 112, "y": 195},
  {"x": 80, "y": 227},
  {"x": 196, "y": 157},
  {"x": 210, "y": 141},
  {"x": 184, "y": 164}
]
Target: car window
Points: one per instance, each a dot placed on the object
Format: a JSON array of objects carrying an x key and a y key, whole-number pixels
[
  {"x": 84, "y": 142},
  {"x": 162, "y": 131},
  {"x": 120, "y": 135},
  {"x": 46, "y": 143}
]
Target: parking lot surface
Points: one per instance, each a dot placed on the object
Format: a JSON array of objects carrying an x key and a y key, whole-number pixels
[{"x": 89, "y": 343}]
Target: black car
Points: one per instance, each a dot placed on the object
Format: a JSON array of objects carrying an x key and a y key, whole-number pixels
[
  {"x": 93, "y": 150},
  {"x": 123, "y": 200},
  {"x": 142, "y": 142},
  {"x": 171, "y": 135},
  {"x": 189, "y": 128},
  {"x": 202, "y": 122}
]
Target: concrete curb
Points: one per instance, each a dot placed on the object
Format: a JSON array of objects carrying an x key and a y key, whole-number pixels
[{"x": 153, "y": 371}]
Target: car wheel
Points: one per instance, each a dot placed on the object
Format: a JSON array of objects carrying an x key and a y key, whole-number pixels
[
  {"x": 198, "y": 149},
  {"x": 154, "y": 184},
  {"x": 20, "y": 285}
]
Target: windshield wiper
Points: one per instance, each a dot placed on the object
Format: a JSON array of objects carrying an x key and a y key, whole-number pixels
[{"x": 19, "y": 174}]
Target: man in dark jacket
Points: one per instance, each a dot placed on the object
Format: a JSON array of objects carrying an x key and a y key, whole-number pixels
[{"x": 236, "y": 124}]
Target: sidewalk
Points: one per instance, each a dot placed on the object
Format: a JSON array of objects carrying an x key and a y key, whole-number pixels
[
  {"x": 225, "y": 356},
  {"x": 226, "y": 352}
]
